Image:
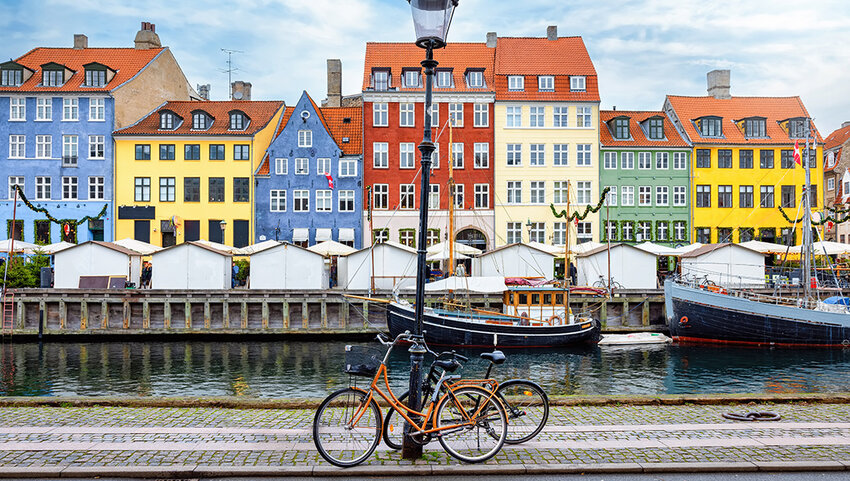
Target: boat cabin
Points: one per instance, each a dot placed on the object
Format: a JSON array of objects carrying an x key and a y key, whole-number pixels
[{"x": 540, "y": 304}]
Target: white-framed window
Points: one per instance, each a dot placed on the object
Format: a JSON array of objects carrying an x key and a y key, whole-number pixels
[
  {"x": 679, "y": 230},
  {"x": 830, "y": 183},
  {"x": 546, "y": 83},
  {"x": 380, "y": 114},
  {"x": 407, "y": 196},
  {"x": 537, "y": 232},
  {"x": 661, "y": 231},
  {"x": 411, "y": 78},
  {"x": 583, "y": 117},
  {"x": 167, "y": 189},
  {"x": 584, "y": 232},
  {"x": 627, "y": 195},
  {"x": 70, "y": 150},
  {"x": 644, "y": 160},
  {"x": 406, "y": 157},
  {"x": 482, "y": 196},
  {"x": 680, "y": 160},
  {"x": 17, "y": 108},
  {"x": 482, "y": 155},
  {"x": 537, "y": 188},
  {"x": 302, "y": 166},
  {"x": 435, "y": 157},
  {"x": 583, "y": 192},
  {"x": 458, "y": 196},
  {"x": 13, "y": 181},
  {"x": 43, "y": 186},
  {"x": 662, "y": 161},
  {"x": 323, "y": 166},
  {"x": 44, "y": 108},
  {"x": 301, "y": 201},
  {"x": 661, "y": 195},
  {"x": 346, "y": 200},
  {"x": 324, "y": 201},
  {"x": 380, "y": 155},
  {"x": 514, "y": 116},
  {"x": 380, "y": 196},
  {"x": 475, "y": 78},
  {"x": 514, "y": 154},
  {"x": 457, "y": 155},
  {"x": 43, "y": 146},
  {"x": 645, "y": 195},
  {"x": 611, "y": 196},
  {"x": 435, "y": 114},
  {"x": 97, "y": 109},
  {"x": 70, "y": 109},
  {"x": 560, "y": 193},
  {"x": 513, "y": 232},
  {"x": 406, "y": 117},
  {"x": 644, "y": 231},
  {"x": 281, "y": 166},
  {"x": 560, "y": 117},
  {"x": 537, "y": 155},
  {"x": 17, "y": 146},
  {"x": 516, "y": 82},
  {"x": 434, "y": 196},
  {"x": 444, "y": 79},
  {"x": 97, "y": 146},
  {"x": 305, "y": 138},
  {"x": 627, "y": 160},
  {"x": 381, "y": 79},
  {"x": 348, "y": 167},
  {"x": 609, "y": 160},
  {"x": 583, "y": 157},
  {"x": 456, "y": 114},
  {"x": 69, "y": 188},
  {"x": 680, "y": 196},
  {"x": 559, "y": 233},
  {"x": 481, "y": 115},
  {"x": 277, "y": 200},
  {"x": 514, "y": 192},
  {"x": 560, "y": 155},
  {"x": 577, "y": 82},
  {"x": 537, "y": 116}
]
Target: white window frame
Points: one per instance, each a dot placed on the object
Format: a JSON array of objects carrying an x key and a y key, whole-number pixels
[
  {"x": 305, "y": 138},
  {"x": 662, "y": 195},
  {"x": 611, "y": 196},
  {"x": 627, "y": 160},
  {"x": 537, "y": 116},
  {"x": 380, "y": 114},
  {"x": 482, "y": 196},
  {"x": 346, "y": 201},
  {"x": 516, "y": 82},
  {"x": 514, "y": 155},
  {"x": 406, "y": 155},
  {"x": 513, "y": 232},
  {"x": 381, "y": 196},
  {"x": 300, "y": 195},
  {"x": 560, "y": 155},
  {"x": 323, "y": 166},
  {"x": 277, "y": 200},
  {"x": 44, "y": 109},
  {"x": 584, "y": 117},
  {"x": 13, "y": 181},
  {"x": 662, "y": 161},
  {"x": 584, "y": 157},
  {"x": 546, "y": 83},
  {"x": 406, "y": 196},
  {"x": 830, "y": 183},
  {"x": 347, "y": 167},
  {"x": 380, "y": 155},
  {"x": 70, "y": 149},
  {"x": 514, "y": 192},
  {"x": 645, "y": 193},
  {"x": 434, "y": 196},
  {"x": 680, "y": 196},
  {"x": 457, "y": 155},
  {"x": 537, "y": 189},
  {"x": 412, "y": 79},
  {"x": 458, "y": 196},
  {"x": 481, "y": 115},
  {"x": 302, "y": 166},
  {"x": 584, "y": 191},
  {"x": 444, "y": 79},
  {"x": 435, "y": 114},
  {"x": 17, "y": 146},
  {"x": 560, "y": 192},
  {"x": 537, "y": 155},
  {"x": 95, "y": 140},
  {"x": 481, "y": 159},
  {"x": 578, "y": 83},
  {"x": 680, "y": 160},
  {"x": 560, "y": 116},
  {"x": 584, "y": 232},
  {"x": 644, "y": 160},
  {"x": 168, "y": 194},
  {"x": 70, "y": 109},
  {"x": 17, "y": 109},
  {"x": 609, "y": 160},
  {"x": 627, "y": 195},
  {"x": 43, "y": 146},
  {"x": 475, "y": 79},
  {"x": 281, "y": 166},
  {"x": 406, "y": 114},
  {"x": 324, "y": 200},
  {"x": 70, "y": 185},
  {"x": 513, "y": 116},
  {"x": 43, "y": 187},
  {"x": 97, "y": 109},
  {"x": 537, "y": 232},
  {"x": 559, "y": 233},
  {"x": 456, "y": 113}
]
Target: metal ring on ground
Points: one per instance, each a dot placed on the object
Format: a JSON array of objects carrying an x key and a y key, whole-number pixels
[{"x": 753, "y": 416}]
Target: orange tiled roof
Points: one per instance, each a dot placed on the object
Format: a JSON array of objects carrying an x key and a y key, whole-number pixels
[
  {"x": 126, "y": 62},
  {"x": 837, "y": 138},
  {"x": 260, "y": 113},
  {"x": 284, "y": 119},
  {"x": 774, "y": 109},
  {"x": 639, "y": 139},
  {"x": 533, "y": 56},
  {"x": 340, "y": 129},
  {"x": 264, "y": 168},
  {"x": 457, "y": 56}
]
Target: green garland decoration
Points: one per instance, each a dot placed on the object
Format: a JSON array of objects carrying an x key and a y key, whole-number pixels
[
  {"x": 587, "y": 210},
  {"x": 829, "y": 218},
  {"x": 44, "y": 211}
]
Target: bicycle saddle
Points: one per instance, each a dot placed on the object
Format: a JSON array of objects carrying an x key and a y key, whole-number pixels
[
  {"x": 448, "y": 366},
  {"x": 496, "y": 357}
]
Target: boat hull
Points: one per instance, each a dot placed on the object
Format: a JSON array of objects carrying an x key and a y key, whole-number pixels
[
  {"x": 457, "y": 331},
  {"x": 698, "y": 316}
]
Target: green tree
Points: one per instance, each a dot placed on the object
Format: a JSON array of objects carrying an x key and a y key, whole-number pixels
[{"x": 25, "y": 272}]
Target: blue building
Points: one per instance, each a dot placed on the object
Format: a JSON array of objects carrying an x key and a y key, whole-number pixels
[
  {"x": 58, "y": 109},
  {"x": 309, "y": 186}
]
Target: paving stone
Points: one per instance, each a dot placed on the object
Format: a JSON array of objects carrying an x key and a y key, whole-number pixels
[{"x": 785, "y": 466}]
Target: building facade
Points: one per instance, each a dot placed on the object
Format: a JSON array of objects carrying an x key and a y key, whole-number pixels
[
  {"x": 309, "y": 186},
  {"x": 645, "y": 163},
  {"x": 836, "y": 180},
  {"x": 185, "y": 171},
  {"x": 546, "y": 139},
  {"x": 58, "y": 109}
]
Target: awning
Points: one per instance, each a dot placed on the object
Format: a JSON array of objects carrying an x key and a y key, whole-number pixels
[
  {"x": 300, "y": 235},
  {"x": 346, "y": 234},
  {"x": 323, "y": 235}
]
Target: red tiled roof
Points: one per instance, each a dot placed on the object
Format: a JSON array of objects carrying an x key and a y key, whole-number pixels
[
  {"x": 837, "y": 138},
  {"x": 284, "y": 119},
  {"x": 126, "y": 62},
  {"x": 774, "y": 109},
  {"x": 264, "y": 168},
  {"x": 457, "y": 56},
  {"x": 638, "y": 139},
  {"x": 339, "y": 128},
  {"x": 260, "y": 113}
]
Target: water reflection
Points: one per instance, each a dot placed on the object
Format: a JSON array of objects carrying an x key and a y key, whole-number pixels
[{"x": 312, "y": 369}]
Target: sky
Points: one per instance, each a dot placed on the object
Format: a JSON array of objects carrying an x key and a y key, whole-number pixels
[{"x": 642, "y": 49}]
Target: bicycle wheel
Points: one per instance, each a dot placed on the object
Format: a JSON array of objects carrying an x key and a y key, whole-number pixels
[
  {"x": 475, "y": 424},
  {"x": 393, "y": 432},
  {"x": 346, "y": 430},
  {"x": 527, "y": 406}
]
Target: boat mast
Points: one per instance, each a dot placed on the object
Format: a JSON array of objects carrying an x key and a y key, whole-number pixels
[
  {"x": 807, "y": 221},
  {"x": 451, "y": 200},
  {"x": 567, "y": 277}
]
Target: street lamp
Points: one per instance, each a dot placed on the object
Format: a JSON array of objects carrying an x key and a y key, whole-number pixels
[
  {"x": 431, "y": 19},
  {"x": 223, "y": 225}
]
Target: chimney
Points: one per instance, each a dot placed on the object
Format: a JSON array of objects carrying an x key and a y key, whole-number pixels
[
  {"x": 80, "y": 41},
  {"x": 240, "y": 90},
  {"x": 491, "y": 39},
  {"x": 718, "y": 84},
  {"x": 146, "y": 38},
  {"x": 845, "y": 124},
  {"x": 334, "y": 82},
  {"x": 204, "y": 91},
  {"x": 552, "y": 32}
]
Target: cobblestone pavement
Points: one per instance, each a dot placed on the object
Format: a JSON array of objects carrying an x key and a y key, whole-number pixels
[{"x": 104, "y": 436}]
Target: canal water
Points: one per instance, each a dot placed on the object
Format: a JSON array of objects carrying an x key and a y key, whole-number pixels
[{"x": 313, "y": 369}]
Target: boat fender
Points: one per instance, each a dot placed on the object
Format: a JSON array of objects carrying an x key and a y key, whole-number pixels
[
  {"x": 845, "y": 342},
  {"x": 683, "y": 320},
  {"x": 555, "y": 320}
]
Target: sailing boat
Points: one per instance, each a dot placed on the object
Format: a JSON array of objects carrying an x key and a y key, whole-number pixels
[{"x": 705, "y": 313}]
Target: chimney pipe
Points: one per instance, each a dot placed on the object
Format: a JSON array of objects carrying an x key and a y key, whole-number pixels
[
  {"x": 719, "y": 83},
  {"x": 552, "y": 32},
  {"x": 334, "y": 82},
  {"x": 491, "y": 39},
  {"x": 240, "y": 90},
  {"x": 146, "y": 38},
  {"x": 80, "y": 41}
]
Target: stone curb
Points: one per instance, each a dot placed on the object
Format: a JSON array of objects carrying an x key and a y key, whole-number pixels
[{"x": 190, "y": 471}]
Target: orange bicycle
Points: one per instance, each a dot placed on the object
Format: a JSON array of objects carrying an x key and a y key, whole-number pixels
[{"x": 468, "y": 421}]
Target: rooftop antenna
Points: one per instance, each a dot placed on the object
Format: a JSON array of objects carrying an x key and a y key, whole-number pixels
[{"x": 230, "y": 69}]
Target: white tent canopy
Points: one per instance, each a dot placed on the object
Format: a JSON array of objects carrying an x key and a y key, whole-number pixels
[
  {"x": 331, "y": 248},
  {"x": 820, "y": 248},
  {"x": 141, "y": 247},
  {"x": 20, "y": 246},
  {"x": 458, "y": 248},
  {"x": 260, "y": 246},
  {"x": 488, "y": 285},
  {"x": 765, "y": 247},
  {"x": 51, "y": 249},
  {"x": 657, "y": 249},
  {"x": 555, "y": 250},
  {"x": 443, "y": 255},
  {"x": 687, "y": 248},
  {"x": 584, "y": 247},
  {"x": 235, "y": 251}
]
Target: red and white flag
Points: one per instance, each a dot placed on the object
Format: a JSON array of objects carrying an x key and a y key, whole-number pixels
[
  {"x": 330, "y": 181},
  {"x": 797, "y": 154}
]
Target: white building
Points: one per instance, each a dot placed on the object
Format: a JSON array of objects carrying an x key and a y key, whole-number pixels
[
  {"x": 94, "y": 258},
  {"x": 287, "y": 266},
  {"x": 395, "y": 266},
  {"x": 515, "y": 260},
  {"x": 191, "y": 266},
  {"x": 728, "y": 265},
  {"x": 631, "y": 267}
]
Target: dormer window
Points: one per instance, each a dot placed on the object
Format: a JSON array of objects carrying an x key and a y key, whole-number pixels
[
  {"x": 709, "y": 126},
  {"x": 411, "y": 78},
  {"x": 52, "y": 75},
  {"x": 516, "y": 82},
  {"x": 381, "y": 79},
  {"x": 546, "y": 83},
  {"x": 167, "y": 121},
  {"x": 755, "y": 127},
  {"x": 578, "y": 83},
  {"x": 655, "y": 128},
  {"x": 444, "y": 78},
  {"x": 201, "y": 120},
  {"x": 475, "y": 79},
  {"x": 621, "y": 128},
  {"x": 12, "y": 77},
  {"x": 96, "y": 75},
  {"x": 238, "y": 121},
  {"x": 797, "y": 128}
]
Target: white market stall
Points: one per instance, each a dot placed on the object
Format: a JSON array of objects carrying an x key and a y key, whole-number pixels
[
  {"x": 136, "y": 245},
  {"x": 631, "y": 267},
  {"x": 93, "y": 258},
  {"x": 727, "y": 265},
  {"x": 191, "y": 265},
  {"x": 515, "y": 260},
  {"x": 395, "y": 266},
  {"x": 287, "y": 266}
]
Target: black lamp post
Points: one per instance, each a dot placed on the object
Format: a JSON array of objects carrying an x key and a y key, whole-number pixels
[{"x": 431, "y": 18}]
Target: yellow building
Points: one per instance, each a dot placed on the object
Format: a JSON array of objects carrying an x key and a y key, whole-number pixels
[
  {"x": 185, "y": 171},
  {"x": 546, "y": 134},
  {"x": 742, "y": 167}
]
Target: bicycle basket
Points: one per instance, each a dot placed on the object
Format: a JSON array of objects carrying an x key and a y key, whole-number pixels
[{"x": 362, "y": 361}]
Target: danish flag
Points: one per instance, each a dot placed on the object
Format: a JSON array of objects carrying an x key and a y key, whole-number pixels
[
  {"x": 330, "y": 181},
  {"x": 797, "y": 155}
]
